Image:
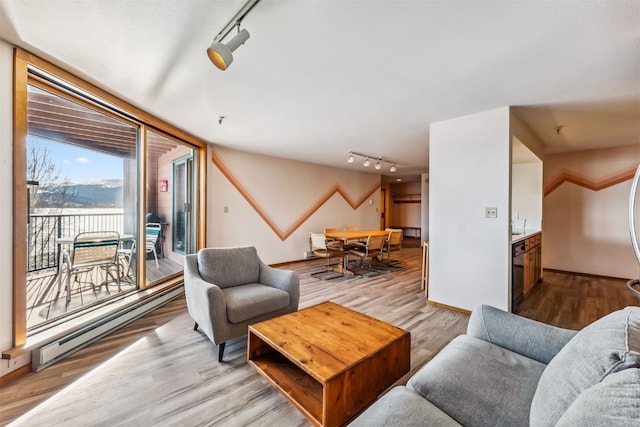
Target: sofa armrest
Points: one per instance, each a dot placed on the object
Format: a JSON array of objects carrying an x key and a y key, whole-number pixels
[
  {"x": 527, "y": 337},
  {"x": 286, "y": 280},
  {"x": 205, "y": 302}
]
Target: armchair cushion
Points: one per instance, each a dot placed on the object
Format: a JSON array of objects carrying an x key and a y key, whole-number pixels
[
  {"x": 607, "y": 346},
  {"x": 252, "y": 300},
  {"x": 229, "y": 266}
]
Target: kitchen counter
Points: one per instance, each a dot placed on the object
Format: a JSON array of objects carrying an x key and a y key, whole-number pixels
[{"x": 527, "y": 233}]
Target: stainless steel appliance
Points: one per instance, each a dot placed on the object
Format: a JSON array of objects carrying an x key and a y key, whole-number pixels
[{"x": 517, "y": 273}]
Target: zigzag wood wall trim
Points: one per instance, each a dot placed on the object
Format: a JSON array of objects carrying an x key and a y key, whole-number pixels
[
  {"x": 588, "y": 183},
  {"x": 284, "y": 234}
]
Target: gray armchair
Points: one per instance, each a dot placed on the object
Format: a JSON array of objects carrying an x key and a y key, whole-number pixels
[{"x": 227, "y": 289}]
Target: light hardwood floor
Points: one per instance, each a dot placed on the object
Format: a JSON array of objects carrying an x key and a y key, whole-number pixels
[{"x": 158, "y": 371}]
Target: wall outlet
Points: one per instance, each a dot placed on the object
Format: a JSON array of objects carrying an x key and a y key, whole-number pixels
[
  {"x": 226, "y": 209},
  {"x": 491, "y": 212}
]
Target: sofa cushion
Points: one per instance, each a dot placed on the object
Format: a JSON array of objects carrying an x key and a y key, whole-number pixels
[
  {"x": 226, "y": 267},
  {"x": 613, "y": 402},
  {"x": 403, "y": 407},
  {"x": 479, "y": 384},
  {"x": 248, "y": 301},
  {"x": 609, "y": 345}
]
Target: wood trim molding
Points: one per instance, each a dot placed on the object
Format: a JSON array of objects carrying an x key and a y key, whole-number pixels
[
  {"x": 577, "y": 273},
  {"x": 20, "y": 203},
  {"x": 449, "y": 307},
  {"x": 588, "y": 183},
  {"x": 284, "y": 234}
]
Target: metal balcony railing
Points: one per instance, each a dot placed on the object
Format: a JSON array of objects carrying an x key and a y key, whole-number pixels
[{"x": 44, "y": 230}]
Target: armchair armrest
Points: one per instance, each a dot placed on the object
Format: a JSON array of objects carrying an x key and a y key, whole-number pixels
[
  {"x": 524, "y": 336},
  {"x": 286, "y": 280},
  {"x": 205, "y": 302}
]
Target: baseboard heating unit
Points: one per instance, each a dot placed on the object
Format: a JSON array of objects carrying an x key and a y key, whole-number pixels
[{"x": 53, "y": 352}]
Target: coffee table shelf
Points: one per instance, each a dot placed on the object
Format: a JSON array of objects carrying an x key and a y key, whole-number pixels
[
  {"x": 301, "y": 389},
  {"x": 329, "y": 361}
]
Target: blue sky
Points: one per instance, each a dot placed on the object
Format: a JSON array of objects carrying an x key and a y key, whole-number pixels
[{"x": 79, "y": 165}]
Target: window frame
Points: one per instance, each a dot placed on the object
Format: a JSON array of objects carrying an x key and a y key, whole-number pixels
[{"x": 95, "y": 98}]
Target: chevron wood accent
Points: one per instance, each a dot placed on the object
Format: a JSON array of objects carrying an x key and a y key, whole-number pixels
[
  {"x": 284, "y": 234},
  {"x": 586, "y": 182}
]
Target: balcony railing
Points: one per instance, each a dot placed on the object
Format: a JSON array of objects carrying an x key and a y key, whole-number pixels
[{"x": 44, "y": 230}]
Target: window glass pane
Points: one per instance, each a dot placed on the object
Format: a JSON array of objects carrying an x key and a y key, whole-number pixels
[
  {"x": 170, "y": 178},
  {"x": 81, "y": 174}
]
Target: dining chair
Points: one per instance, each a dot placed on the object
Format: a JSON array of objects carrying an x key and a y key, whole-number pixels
[
  {"x": 152, "y": 233},
  {"x": 370, "y": 249},
  {"x": 332, "y": 241},
  {"x": 324, "y": 249},
  {"x": 88, "y": 251},
  {"x": 351, "y": 243},
  {"x": 392, "y": 243}
]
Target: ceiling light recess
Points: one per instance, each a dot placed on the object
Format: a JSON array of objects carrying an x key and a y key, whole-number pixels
[
  {"x": 367, "y": 161},
  {"x": 222, "y": 54}
]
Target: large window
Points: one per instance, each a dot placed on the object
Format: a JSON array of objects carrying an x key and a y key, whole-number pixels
[{"x": 89, "y": 167}]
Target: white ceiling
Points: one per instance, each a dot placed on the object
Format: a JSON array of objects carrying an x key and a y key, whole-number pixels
[{"x": 319, "y": 78}]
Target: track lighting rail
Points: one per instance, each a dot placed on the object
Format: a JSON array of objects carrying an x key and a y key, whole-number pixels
[
  {"x": 368, "y": 159},
  {"x": 236, "y": 20}
]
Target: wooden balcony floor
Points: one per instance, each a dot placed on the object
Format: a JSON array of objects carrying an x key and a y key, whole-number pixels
[{"x": 45, "y": 303}]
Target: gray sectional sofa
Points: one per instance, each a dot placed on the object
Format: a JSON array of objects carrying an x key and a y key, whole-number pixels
[{"x": 512, "y": 371}]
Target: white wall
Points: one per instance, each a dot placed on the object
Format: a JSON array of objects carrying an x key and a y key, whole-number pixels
[
  {"x": 6, "y": 185},
  {"x": 469, "y": 169},
  {"x": 286, "y": 191},
  {"x": 526, "y": 192},
  {"x": 587, "y": 230}
]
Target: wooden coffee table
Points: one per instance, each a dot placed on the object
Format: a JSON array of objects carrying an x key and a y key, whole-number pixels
[{"x": 329, "y": 361}]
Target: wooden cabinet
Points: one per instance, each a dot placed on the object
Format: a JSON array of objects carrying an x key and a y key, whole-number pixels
[{"x": 532, "y": 262}]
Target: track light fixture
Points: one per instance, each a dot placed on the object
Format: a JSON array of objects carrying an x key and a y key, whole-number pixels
[
  {"x": 367, "y": 161},
  {"x": 222, "y": 54}
]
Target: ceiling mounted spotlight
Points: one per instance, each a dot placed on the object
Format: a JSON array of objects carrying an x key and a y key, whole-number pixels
[
  {"x": 351, "y": 158},
  {"x": 222, "y": 54}
]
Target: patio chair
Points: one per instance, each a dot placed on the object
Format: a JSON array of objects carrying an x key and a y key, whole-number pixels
[
  {"x": 228, "y": 289},
  {"x": 126, "y": 256},
  {"x": 90, "y": 250},
  {"x": 153, "y": 231}
]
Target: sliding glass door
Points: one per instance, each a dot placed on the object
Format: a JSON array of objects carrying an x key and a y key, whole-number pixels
[{"x": 87, "y": 162}]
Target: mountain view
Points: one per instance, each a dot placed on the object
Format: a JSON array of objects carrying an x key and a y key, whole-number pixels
[{"x": 99, "y": 194}]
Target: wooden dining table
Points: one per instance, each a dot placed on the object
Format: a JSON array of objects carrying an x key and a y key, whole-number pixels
[{"x": 346, "y": 236}]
